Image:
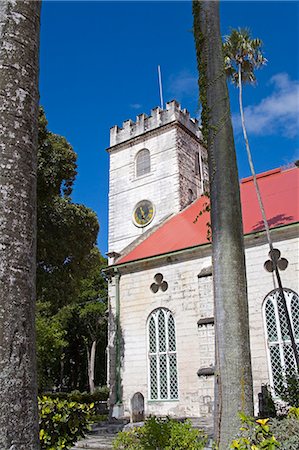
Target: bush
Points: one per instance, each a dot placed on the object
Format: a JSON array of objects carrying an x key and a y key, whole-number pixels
[
  {"x": 100, "y": 394},
  {"x": 288, "y": 388},
  {"x": 184, "y": 437},
  {"x": 287, "y": 430},
  {"x": 128, "y": 440},
  {"x": 161, "y": 433},
  {"x": 62, "y": 423},
  {"x": 255, "y": 435}
]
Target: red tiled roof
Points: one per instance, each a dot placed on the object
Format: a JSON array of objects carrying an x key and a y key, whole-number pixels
[{"x": 279, "y": 190}]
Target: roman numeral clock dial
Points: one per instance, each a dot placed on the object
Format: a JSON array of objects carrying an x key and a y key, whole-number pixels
[{"x": 143, "y": 213}]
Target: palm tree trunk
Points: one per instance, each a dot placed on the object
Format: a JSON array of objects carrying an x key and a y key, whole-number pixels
[
  {"x": 264, "y": 217},
  {"x": 19, "y": 46},
  {"x": 261, "y": 205},
  {"x": 233, "y": 361}
]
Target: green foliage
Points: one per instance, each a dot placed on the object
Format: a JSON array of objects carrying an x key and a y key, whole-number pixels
[
  {"x": 66, "y": 232},
  {"x": 100, "y": 394},
  {"x": 93, "y": 319},
  {"x": 294, "y": 412},
  {"x": 184, "y": 437},
  {"x": 255, "y": 435},
  {"x": 240, "y": 49},
  {"x": 50, "y": 345},
  {"x": 288, "y": 388},
  {"x": 161, "y": 433},
  {"x": 155, "y": 433},
  {"x": 62, "y": 423},
  {"x": 286, "y": 430},
  {"x": 83, "y": 323},
  {"x": 128, "y": 440},
  {"x": 201, "y": 55},
  {"x": 68, "y": 269}
]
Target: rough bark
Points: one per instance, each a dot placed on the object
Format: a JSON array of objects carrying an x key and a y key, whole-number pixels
[
  {"x": 233, "y": 380},
  {"x": 19, "y": 46}
]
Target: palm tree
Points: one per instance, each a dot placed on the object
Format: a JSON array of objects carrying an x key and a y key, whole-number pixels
[
  {"x": 19, "y": 45},
  {"x": 233, "y": 379},
  {"x": 242, "y": 56}
]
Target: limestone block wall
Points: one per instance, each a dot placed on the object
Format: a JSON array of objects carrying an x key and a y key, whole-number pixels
[
  {"x": 190, "y": 298},
  {"x": 158, "y": 118},
  {"x": 260, "y": 284},
  {"x": 160, "y": 186},
  {"x": 189, "y": 150},
  {"x": 173, "y": 139},
  {"x": 181, "y": 298}
]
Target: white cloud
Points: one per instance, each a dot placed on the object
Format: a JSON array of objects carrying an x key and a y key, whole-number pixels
[
  {"x": 276, "y": 114},
  {"x": 135, "y": 106},
  {"x": 183, "y": 85}
]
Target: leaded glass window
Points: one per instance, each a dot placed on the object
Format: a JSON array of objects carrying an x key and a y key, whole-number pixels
[
  {"x": 143, "y": 162},
  {"x": 281, "y": 356},
  {"x": 163, "y": 379}
]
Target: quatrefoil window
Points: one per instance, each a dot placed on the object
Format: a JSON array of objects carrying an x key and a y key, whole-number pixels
[{"x": 159, "y": 284}]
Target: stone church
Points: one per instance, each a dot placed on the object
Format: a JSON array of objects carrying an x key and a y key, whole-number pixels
[{"x": 161, "y": 325}]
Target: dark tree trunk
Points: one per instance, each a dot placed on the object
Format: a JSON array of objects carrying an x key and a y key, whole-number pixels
[
  {"x": 19, "y": 46},
  {"x": 233, "y": 381}
]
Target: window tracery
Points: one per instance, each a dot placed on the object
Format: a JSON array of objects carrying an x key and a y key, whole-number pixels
[
  {"x": 280, "y": 353},
  {"x": 163, "y": 380}
]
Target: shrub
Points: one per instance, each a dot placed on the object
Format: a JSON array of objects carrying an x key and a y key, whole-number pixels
[
  {"x": 62, "y": 423},
  {"x": 100, "y": 394},
  {"x": 128, "y": 440},
  {"x": 294, "y": 412},
  {"x": 184, "y": 437},
  {"x": 255, "y": 435},
  {"x": 287, "y": 430},
  {"x": 288, "y": 388},
  {"x": 161, "y": 433},
  {"x": 156, "y": 432}
]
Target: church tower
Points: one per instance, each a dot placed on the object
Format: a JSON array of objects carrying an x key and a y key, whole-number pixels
[{"x": 157, "y": 167}]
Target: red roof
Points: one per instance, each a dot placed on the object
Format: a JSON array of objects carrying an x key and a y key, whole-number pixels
[{"x": 279, "y": 190}]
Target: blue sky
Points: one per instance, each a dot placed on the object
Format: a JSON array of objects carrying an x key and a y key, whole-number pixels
[{"x": 98, "y": 67}]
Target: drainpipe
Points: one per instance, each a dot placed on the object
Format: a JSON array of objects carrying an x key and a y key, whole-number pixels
[{"x": 117, "y": 338}]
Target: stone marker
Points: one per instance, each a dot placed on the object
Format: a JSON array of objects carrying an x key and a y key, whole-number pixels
[{"x": 137, "y": 407}]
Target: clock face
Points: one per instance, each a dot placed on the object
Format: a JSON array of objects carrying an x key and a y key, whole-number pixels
[{"x": 143, "y": 213}]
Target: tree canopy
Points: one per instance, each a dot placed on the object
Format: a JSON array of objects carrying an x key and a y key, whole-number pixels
[
  {"x": 66, "y": 232},
  {"x": 240, "y": 49},
  {"x": 69, "y": 279}
]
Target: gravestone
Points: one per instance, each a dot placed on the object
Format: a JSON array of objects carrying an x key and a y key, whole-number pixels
[{"x": 137, "y": 407}]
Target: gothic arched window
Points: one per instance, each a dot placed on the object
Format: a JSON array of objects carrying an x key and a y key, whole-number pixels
[
  {"x": 280, "y": 353},
  {"x": 143, "y": 162},
  {"x": 163, "y": 379}
]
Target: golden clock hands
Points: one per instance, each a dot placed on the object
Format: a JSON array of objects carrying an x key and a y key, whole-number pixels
[{"x": 142, "y": 212}]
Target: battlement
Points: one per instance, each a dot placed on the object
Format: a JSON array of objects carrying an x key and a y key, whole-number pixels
[{"x": 158, "y": 118}]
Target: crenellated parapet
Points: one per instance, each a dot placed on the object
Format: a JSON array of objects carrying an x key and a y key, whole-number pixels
[{"x": 157, "y": 118}]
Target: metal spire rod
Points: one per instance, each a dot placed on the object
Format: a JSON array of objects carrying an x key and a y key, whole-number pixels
[{"x": 160, "y": 87}]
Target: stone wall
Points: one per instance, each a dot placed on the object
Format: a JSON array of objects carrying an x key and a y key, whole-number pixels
[
  {"x": 158, "y": 118},
  {"x": 160, "y": 186},
  {"x": 172, "y": 139},
  {"x": 190, "y": 298}
]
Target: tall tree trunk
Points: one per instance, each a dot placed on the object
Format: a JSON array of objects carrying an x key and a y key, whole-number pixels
[
  {"x": 19, "y": 46},
  {"x": 233, "y": 379},
  {"x": 91, "y": 366}
]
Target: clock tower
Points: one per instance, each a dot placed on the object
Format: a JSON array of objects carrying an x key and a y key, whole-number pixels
[{"x": 157, "y": 167}]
